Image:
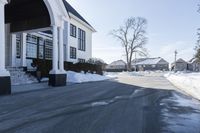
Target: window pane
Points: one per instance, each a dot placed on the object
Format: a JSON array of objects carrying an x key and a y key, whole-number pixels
[
  {"x": 18, "y": 46},
  {"x": 48, "y": 49},
  {"x": 31, "y": 50}
]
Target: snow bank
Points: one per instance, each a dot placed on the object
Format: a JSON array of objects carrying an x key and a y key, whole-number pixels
[
  {"x": 88, "y": 77},
  {"x": 143, "y": 73},
  {"x": 187, "y": 82}
]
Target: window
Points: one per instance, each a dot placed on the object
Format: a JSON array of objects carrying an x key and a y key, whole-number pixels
[
  {"x": 18, "y": 46},
  {"x": 41, "y": 48},
  {"x": 153, "y": 66},
  {"x": 72, "y": 53},
  {"x": 72, "y": 30},
  {"x": 31, "y": 48},
  {"x": 48, "y": 49},
  {"x": 81, "y": 40},
  {"x": 81, "y": 60}
]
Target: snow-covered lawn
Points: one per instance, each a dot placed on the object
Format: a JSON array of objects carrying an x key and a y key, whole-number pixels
[
  {"x": 75, "y": 77},
  {"x": 139, "y": 73},
  {"x": 187, "y": 82}
]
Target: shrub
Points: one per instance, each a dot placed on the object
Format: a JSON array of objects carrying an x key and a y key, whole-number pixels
[{"x": 46, "y": 65}]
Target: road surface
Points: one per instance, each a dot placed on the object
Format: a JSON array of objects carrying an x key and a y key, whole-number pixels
[{"x": 129, "y": 104}]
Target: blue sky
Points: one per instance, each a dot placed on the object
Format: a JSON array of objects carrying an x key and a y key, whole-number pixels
[{"x": 172, "y": 24}]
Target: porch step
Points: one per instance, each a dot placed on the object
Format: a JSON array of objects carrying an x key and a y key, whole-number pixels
[{"x": 18, "y": 76}]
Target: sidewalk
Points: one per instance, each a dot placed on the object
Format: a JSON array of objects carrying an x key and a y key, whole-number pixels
[{"x": 32, "y": 87}]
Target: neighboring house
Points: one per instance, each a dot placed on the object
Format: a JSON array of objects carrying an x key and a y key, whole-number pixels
[
  {"x": 77, "y": 42},
  {"x": 116, "y": 66},
  {"x": 194, "y": 65},
  {"x": 150, "y": 64},
  {"x": 181, "y": 65}
]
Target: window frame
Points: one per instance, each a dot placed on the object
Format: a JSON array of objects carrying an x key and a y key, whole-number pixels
[
  {"x": 31, "y": 41},
  {"x": 80, "y": 60},
  {"x": 73, "y": 52},
  {"x": 18, "y": 46},
  {"x": 73, "y": 30},
  {"x": 81, "y": 40}
]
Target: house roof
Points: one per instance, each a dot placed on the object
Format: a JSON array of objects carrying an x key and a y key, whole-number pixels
[
  {"x": 150, "y": 61},
  {"x": 117, "y": 63},
  {"x": 70, "y": 9},
  {"x": 180, "y": 60}
]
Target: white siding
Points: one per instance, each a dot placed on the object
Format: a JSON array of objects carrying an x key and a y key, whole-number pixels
[{"x": 87, "y": 54}]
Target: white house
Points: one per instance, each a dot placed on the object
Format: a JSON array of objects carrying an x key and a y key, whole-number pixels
[{"x": 44, "y": 29}]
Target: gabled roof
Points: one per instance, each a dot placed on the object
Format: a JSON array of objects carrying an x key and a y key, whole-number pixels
[
  {"x": 181, "y": 61},
  {"x": 118, "y": 63},
  {"x": 70, "y": 9},
  {"x": 149, "y": 61}
]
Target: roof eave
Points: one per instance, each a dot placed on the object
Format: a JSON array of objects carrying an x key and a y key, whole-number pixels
[{"x": 82, "y": 22}]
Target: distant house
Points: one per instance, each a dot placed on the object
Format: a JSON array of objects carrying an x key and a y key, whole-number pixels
[
  {"x": 150, "y": 64},
  {"x": 181, "y": 65},
  {"x": 116, "y": 66},
  {"x": 194, "y": 65}
]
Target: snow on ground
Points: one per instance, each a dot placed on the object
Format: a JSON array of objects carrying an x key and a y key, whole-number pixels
[
  {"x": 75, "y": 77},
  {"x": 187, "y": 82},
  {"x": 139, "y": 73}
]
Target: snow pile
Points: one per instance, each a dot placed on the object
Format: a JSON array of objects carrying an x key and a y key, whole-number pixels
[
  {"x": 187, "y": 82},
  {"x": 75, "y": 77}
]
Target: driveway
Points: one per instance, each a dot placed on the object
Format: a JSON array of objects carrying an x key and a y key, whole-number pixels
[{"x": 129, "y": 104}]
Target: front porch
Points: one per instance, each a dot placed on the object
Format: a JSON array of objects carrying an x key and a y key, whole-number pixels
[{"x": 20, "y": 17}]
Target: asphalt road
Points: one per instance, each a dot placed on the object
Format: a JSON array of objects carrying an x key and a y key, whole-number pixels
[{"x": 128, "y": 105}]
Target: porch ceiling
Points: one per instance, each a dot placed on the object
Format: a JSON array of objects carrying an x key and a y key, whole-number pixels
[{"x": 27, "y": 15}]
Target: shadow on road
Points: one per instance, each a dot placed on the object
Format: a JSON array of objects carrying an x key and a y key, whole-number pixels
[{"x": 100, "y": 107}]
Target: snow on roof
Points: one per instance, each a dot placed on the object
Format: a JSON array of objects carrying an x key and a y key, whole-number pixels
[
  {"x": 150, "y": 61},
  {"x": 180, "y": 60},
  {"x": 117, "y": 63}
]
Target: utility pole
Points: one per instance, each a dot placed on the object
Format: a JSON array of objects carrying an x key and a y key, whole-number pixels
[
  {"x": 135, "y": 61},
  {"x": 175, "y": 60}
]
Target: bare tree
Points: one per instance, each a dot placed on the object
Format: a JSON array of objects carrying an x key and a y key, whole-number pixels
[
  {"x": 197, "y": 47},
  {"x": 132, "y": 37}
]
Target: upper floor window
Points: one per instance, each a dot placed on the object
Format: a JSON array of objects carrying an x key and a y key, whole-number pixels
[
  {"x": 81, "y": 40},
  {"x": 72, "y": 30},
  {"x": 72, "y": 52}
]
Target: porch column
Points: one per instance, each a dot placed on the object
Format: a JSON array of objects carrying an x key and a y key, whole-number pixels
[
  {"x": 13, "y": 55},
  {"x": 61, "y": 55},
  {"x": 23, "y": 49},
  {"x": 56, "y": 77},
  {"x": 55, "y": 51},
  {"x": 5, "y": 82}
]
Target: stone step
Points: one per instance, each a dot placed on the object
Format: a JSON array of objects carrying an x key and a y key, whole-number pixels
[{"x": 19, "y": 76}]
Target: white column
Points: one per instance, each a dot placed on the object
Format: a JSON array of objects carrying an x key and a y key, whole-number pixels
[
  {"x": 13, "y": 52},
  {"x": 23, "y": 49},
  {"x": 55, "y": 51},
  {"x": 3, "y": 71},
  {"x": 61, "y": 55}
]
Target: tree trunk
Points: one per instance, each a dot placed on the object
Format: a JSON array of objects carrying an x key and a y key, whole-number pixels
[{"x": 129, "y": 66}]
